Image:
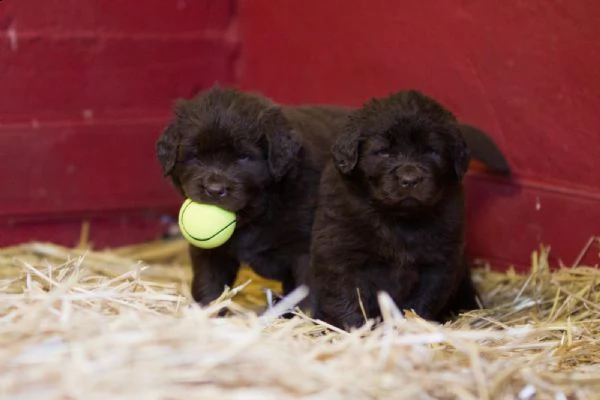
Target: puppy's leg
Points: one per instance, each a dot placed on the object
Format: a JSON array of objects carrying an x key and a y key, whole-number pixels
[
  {"x": 213, "y": 270},
  {"x": 302, "y": 277},
  {"x": 433, "y": 291},
  {"x": 465, "y": 298},
  {"x": 339, "y": 305},
  {"x": 288, "y": 284},
  {"x": 294, "y": 277}
]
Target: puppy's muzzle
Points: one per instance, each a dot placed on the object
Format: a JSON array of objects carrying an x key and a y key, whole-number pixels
[
  {"x": 410, "y": 176},
  {"x": 215, "y": 187}
]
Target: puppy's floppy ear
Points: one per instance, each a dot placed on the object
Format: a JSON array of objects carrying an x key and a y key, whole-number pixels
[
  {"x": 345, "y": 148},
  {"x": 283, "y": 145},
  {"x": 461, "y": 156},
  {"x": 167, "y": 147}
]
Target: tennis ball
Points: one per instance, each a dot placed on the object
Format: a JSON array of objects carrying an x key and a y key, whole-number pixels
[{"x": 204, "y": 225}]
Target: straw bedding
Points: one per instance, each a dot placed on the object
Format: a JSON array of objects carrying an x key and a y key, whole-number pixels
[{"x": 78, "y": 324}]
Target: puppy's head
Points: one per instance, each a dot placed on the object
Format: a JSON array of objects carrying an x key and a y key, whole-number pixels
[
  {"x": 226, "y": 147},
  {"x": 405, "y": 151}
]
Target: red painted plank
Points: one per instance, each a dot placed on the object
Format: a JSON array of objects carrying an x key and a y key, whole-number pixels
[
  {"x": 525, "y": 71},
  {"x": 508, "y": 220},
  {"x": 57, "y": 169},
  {"x": 109, "y": 230},
  {"x": 131, "y": 16},
  {"x": 73, "y": 78}
]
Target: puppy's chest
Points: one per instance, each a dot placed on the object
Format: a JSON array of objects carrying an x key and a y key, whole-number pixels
[
  {"x": 267, "y": 244},
  {"x": 400, "y": 246}
]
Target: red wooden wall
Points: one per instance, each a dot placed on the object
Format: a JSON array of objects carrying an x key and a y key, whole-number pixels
[{"x": 85, "y": 88}]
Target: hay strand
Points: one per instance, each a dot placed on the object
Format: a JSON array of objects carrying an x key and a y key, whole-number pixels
[{"x": 76, "y": 323}]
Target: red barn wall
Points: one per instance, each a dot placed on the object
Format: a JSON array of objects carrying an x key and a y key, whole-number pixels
[
  {"x": 86, "y": 87},
  {"x": 85, "y": 91},
  {"x": 527, "y": 72}
]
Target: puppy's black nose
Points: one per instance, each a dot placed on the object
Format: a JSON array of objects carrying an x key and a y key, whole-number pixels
[
  {"x": 215, "y": 190},
  {"x": 410, "y": 179}
]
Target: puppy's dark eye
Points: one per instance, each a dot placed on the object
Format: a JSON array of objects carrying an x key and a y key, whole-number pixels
[
  {"x": 382, "y": 153},
  {"x": 434, "y": 153},
  {"x": 189, "y": 159},
  {"x": 244, "y": 158}
]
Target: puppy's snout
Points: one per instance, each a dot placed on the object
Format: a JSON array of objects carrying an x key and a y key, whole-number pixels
[
  {"x": 411, "y": 180},
  {"x": 410, "y": 176},
  {"x": 215, "y": 188}
]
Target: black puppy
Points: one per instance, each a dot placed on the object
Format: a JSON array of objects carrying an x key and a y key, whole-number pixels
[
  {"x": 391, "y": 214},
  {"x": 263, "y": 161}
]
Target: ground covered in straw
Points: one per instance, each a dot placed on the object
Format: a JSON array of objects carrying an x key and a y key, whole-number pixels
[{"x": 76, "y": 324}]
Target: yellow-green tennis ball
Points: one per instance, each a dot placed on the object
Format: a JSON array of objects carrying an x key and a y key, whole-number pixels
[{"x": 204, "y": 225}]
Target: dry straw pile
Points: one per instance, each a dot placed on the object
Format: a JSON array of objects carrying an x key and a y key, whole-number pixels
[{"x": 77, "y": 324}]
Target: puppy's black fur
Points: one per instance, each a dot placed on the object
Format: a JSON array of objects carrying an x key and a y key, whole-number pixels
[
  {"x": 391, "y": 214},
  {"x": 263, "y": 161}
]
